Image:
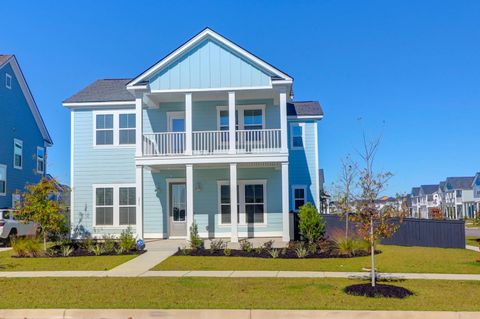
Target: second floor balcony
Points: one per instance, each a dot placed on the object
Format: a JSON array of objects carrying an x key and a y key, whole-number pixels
[{"x": 212, "y": 143}]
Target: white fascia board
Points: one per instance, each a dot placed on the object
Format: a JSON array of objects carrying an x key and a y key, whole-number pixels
[
  {"x": 74, "y": 105},
  {"x": 196, "y": 39},
  {"x": 219, "y": 159},
  {"x": 305, "y": 117}
]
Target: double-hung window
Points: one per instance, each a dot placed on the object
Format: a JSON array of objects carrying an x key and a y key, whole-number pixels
[
  {"x": 104, "y": 129},
  {"x": 252, "y": 119},
  {"x": 40, "y": 160},
  {"x": 127, "y": 206},
  {"x": 223, "y": 120},
  {"x": 17, "y": 154},
  {"x": 127, "y": 128},
  {"x": 251, "y": 202},
  {"x": 247, "y": 117},
  {"x": 114, "y": 128},
  {"x": 296, "y": 135},
  {"x": 299, "y": 196},
  {"x": 254, "y": 203},
  {"x": 3, "y": 179},
  {"x": 114, "y": 205},
  {"x": 104, "y": 206}
]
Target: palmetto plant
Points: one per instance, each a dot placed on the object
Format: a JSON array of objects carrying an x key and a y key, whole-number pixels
[{"x": 67, "y": 250}]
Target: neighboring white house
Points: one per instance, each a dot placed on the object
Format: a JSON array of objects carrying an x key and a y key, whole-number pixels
[{"x": 429, "y": 198}]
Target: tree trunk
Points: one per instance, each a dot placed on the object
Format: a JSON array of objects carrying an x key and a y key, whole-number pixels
[
  {"x": 372, "y": 251},
  {"x": 44, "y": 241},
  {"x": 346, "y": 226}
]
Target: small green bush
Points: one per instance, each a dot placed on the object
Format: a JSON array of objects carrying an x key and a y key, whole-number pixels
[
  {"x": 268, "y": 245},
  {"x": 195, "y": 241},
  {"x": 67, "y": 250},
  {"x": 97, "y": 249},
  {"x": 127, "y": 240},
  {"x": 245, "y": 245},
  {"x": 311, "y": 225},
  {"x": 217, "y": 245},
  {"x": 26, "y": 247},
  {"x": 350, "y": 246},
  {"x": 227, "y": 251},
  {"x": 109, "y": 243},
  {"x": 301, "y": 252},
  {"x": 274, "y": 253}
]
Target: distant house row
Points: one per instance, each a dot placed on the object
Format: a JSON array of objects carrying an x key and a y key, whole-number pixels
[{"x": 455, "y": 198}]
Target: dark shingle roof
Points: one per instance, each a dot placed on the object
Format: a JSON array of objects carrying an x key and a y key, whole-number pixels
[
  {"x": 304, "y": 108},
  {"x": 4, "y": 58},
  {"x": 429, "y": 189},
  {"x": 464, "y": 182},
  {"x": 415, "y": 191},
  {"x": 103, "y": 91}
]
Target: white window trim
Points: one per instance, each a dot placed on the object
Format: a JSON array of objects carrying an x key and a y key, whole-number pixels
[
  {"x": 20, "y": 142},
  {"x": 6, "y": 175},
  {"x": 116, "y": 205},
  {"x": 240, "y": 110},
  {"x": 241, "y": 201},
  {"x": 44, "y": 161},
  {"x": 292, "y": 125},
  {"x": 116, "y": 128},
  {"x": 8, "y": 81},
  {"x": 294, "y": 187},
  {"x": 176, "y": 115}
]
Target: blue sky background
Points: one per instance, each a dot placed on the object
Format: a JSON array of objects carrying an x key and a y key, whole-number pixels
[{"x": 409, "y": 69}]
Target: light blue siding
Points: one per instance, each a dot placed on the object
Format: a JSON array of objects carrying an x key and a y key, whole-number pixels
[
  {"x": 204, "y": 114},
  {"x": 95, "y": 165},
  {"x": 209, "y": 65},
  {"x": 17, "y": 121},
  {"x": 205, "y": 199},
  {"x": 302, "y": 163}
]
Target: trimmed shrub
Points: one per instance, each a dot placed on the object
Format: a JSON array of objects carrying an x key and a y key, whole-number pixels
[
  {"x": 195, "y": 241},
  {"x": 311, "y": 225},
  {"x": 127, "y": 240}
]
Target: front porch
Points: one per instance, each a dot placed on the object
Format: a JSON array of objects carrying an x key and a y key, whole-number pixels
[{"x": 257, "y": 206}]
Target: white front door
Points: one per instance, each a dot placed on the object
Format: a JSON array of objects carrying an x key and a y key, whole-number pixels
[{"x": 178, "y": 209}]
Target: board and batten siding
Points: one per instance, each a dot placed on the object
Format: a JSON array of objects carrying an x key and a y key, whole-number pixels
[
  {"x": 209, "y": 65},
  {"x": 95, "y": 165},
  {"x": 303, "y": 163},
  {"x": 17, "y": 122}
]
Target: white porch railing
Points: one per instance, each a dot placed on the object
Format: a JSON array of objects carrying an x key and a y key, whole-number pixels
[
  {"x": 212, "y": 142},
  {"x": 258, "y": 141},
  {"x": 168, "y": 143}
]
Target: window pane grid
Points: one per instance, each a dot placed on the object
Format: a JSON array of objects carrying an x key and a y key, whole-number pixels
[{"x": 104, "y": 206}]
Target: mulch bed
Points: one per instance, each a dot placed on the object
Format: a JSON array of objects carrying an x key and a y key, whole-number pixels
[{"x": 380, "y": 290}]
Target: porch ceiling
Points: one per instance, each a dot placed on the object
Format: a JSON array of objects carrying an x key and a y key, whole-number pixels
[{"x": 154, "y": 168}]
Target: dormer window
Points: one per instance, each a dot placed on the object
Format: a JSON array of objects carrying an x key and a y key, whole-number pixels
[{"x": 8, "y": 81}]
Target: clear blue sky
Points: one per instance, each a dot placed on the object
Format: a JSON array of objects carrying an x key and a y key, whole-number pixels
[{"x": 408, "y": 68}]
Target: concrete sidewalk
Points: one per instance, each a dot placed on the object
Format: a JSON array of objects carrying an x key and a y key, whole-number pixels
[
  {"x": 139, "y": 272},
  {"x": 222, "y": 314}
]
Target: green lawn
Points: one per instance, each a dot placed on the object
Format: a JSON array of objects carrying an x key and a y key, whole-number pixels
[
  {"x": 392, "y": 259},
  {"x": 472, "y": 240},
  {"x": 238, "y": 293},
  {"x": 8, "y": 263}
]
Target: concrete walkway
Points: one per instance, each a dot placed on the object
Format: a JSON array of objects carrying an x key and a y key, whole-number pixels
[
  {"x": 157, "y": 251},
  {"x": 231, "y": 314},
  {"x": 474, "y": 248}
]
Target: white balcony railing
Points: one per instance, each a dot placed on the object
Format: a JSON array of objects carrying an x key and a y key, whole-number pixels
[
  {"x": 168, "y": 143},
  {"x": 212, "y": 142},
  {"x": 258, "y": 141}
]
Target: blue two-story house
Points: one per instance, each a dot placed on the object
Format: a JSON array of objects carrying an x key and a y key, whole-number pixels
[
  {"x": 208, "y": 134},
  {"x": 24, "y": 137}
]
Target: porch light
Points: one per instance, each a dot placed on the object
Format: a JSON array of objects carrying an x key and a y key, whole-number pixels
[{"x": 198, "y": 187}]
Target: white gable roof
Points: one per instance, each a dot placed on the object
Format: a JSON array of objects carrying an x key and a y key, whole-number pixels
[
  {"x": 28, "y": 96},
  {"x": 208, "y": 33}
]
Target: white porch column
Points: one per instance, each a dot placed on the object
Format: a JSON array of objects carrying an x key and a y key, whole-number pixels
[
  {"x": 188, "y": 123},
  {"x": 139, "y": 199},
  {"x": 189, "y": 182},
  {"x": 231, "y": 122},
  {"x": 233, "y": 203},
  {"x": 138, "y": 126},
  {"x": 285, "y": 203},
  {"x": 283, "y": 121}
]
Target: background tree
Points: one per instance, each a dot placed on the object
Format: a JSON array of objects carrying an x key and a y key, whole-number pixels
[
  {"x": 344, "y": 189},
  {"x": 40, "y": 204},
  {"x": 372, "y": 222}
]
